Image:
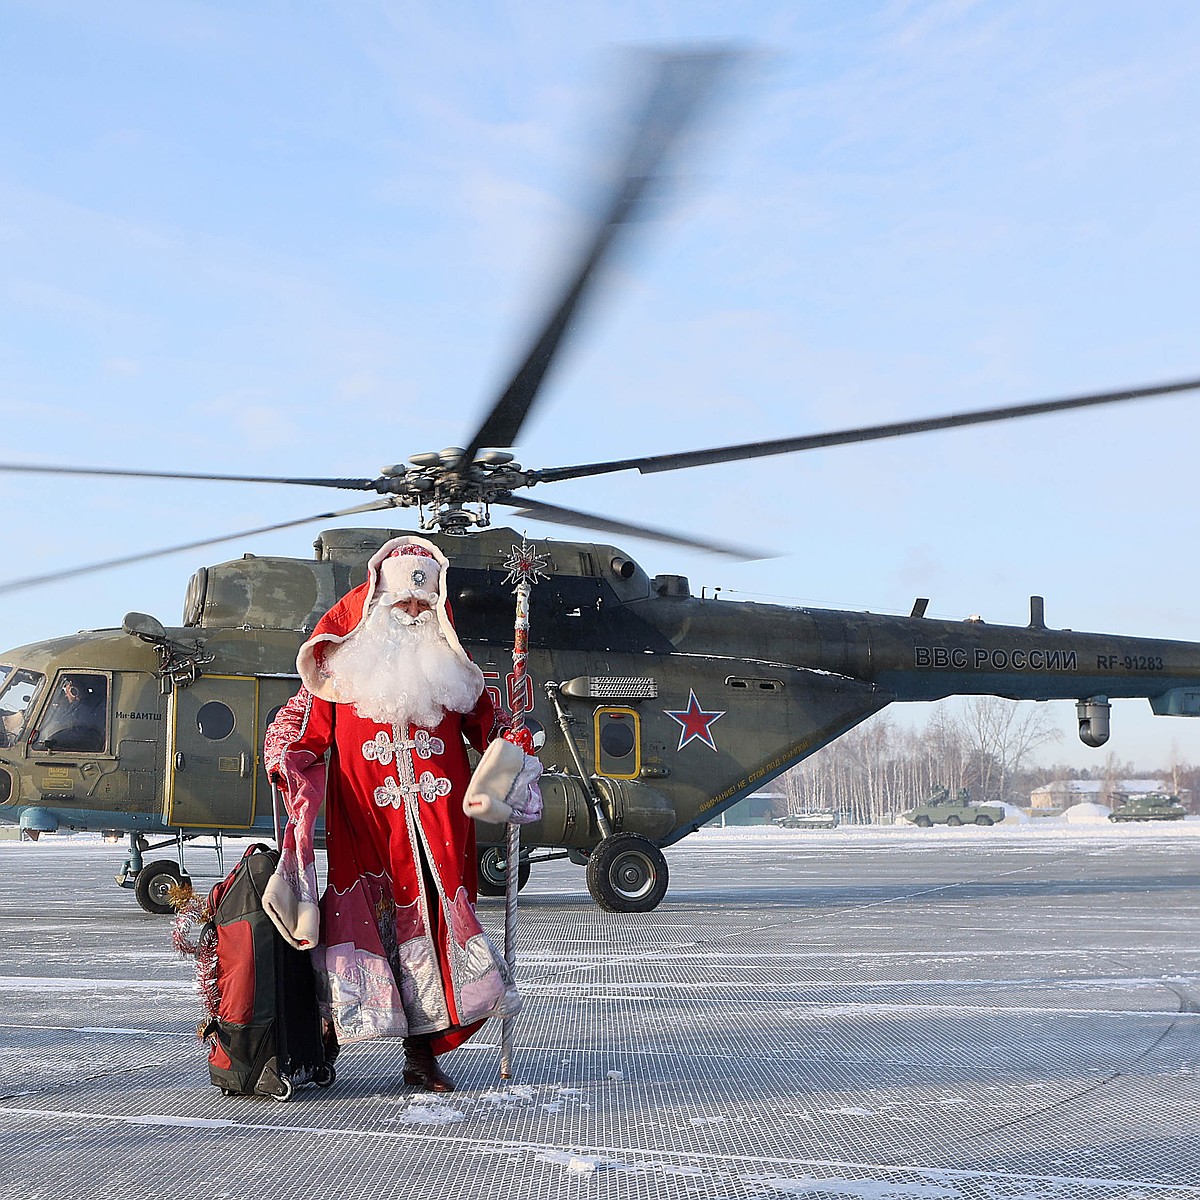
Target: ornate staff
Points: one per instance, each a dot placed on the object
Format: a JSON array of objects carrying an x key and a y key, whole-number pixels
[{"x": 524, "y": 570}]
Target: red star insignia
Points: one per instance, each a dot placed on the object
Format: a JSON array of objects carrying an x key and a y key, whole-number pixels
[{"x": 694, "y": 722}]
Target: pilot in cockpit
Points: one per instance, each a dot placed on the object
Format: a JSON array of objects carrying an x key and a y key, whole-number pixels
[{"x": 75, "y": 719}]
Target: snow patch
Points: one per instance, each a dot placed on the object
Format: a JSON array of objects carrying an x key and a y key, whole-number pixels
[
  {"x": 125, "y": 1032},
  {"x": 854, "y": 1189},
  {"x": 428, "y": 1114},
  {"x": 52, "y": 984},
  {"x": 510, "y": 1097},
  {"x": 193, "y": 1122},
  {"x": 581, "y": 1164}
]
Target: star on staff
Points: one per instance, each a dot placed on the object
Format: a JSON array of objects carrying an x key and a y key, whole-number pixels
[{"x": 524, "y": 565}]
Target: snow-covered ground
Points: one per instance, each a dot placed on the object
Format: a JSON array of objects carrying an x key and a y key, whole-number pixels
[
  {"x": 864, "y": 1013},
  {"x": 1086, "y": 823},
  {"x": 1082, "y": 821}
]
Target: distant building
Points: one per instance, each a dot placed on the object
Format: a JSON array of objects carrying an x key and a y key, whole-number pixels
[
  {"x": 757, "y": 809},
  {"x": 1062, "y": 793}
]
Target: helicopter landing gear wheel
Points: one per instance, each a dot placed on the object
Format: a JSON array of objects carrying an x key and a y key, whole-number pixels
[
  {"x": 154, "y": 881},
  {"x": 627, "y": 873},
  {"x": 492, "y": 871}
]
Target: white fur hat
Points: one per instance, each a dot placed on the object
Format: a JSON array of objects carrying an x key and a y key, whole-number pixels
[{"x": 410, "y": 572}]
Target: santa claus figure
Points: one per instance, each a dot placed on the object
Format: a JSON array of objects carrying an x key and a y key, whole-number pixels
[{"x": 393, "y": 699}]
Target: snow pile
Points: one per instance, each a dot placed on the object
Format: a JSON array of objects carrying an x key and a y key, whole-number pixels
[
  {"x": 1086, "y": 813},
  {"x": 1014, "y": 815},
  {"x": 581, "y": 1164}
]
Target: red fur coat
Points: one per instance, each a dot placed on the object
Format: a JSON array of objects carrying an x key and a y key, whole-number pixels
[{"x": 400, "y": 950}]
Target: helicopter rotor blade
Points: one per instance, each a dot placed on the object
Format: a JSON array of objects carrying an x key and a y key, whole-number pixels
[
  {"x": 16, "y": 585},
  {"x": 119, "y": 473},
  {"x": 681, "y": 84},
  {"x": 541, "y": 511},
  {"x": 868, "y": 433}
]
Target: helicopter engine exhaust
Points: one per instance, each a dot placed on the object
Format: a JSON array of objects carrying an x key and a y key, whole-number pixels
[
  {"x": 1093, "y": 715},
  {"x": 567, "y": 818}
]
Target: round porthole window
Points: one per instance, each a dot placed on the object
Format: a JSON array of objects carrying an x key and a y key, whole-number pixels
[
  {"x": 215, "y": 720},
  {"x": 273, "y": 714},
  {"x": 536, "y": 731},
  {"x": 616, "y": 738}
]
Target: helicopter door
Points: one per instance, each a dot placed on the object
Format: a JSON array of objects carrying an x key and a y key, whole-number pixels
[
  {"x": 212, "y": 753},
  {"x": 618, "y": 742}
]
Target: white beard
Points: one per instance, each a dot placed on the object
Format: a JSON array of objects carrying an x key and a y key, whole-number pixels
[{"x": 400, "y": 670}]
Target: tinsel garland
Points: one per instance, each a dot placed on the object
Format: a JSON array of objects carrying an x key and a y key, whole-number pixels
[{"x": 194, "y": 936}]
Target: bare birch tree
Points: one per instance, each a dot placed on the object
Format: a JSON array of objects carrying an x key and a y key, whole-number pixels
[
  {"x": 879, "y": 769},
  {"x": 1002, "y": 734}
]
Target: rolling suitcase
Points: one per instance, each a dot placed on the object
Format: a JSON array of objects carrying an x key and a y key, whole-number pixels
[{"x": 264, "y": 1029}]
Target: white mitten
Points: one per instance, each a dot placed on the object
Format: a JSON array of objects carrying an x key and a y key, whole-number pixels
[
  {"x": 498, "y": 769},
  {"x": 298, "y": 921},
  {"x": 525, "y": 799}
]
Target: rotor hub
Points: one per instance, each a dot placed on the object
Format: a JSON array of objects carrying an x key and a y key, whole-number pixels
[{"x": 452, "y": 497}]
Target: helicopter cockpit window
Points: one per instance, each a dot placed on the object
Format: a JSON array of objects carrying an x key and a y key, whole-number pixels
[
  {"x": 18, "y": 690},
  {"x": 76, "y": 719}
]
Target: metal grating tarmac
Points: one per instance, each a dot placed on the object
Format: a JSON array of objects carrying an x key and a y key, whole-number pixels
[{"x": 879, "y": 1015}]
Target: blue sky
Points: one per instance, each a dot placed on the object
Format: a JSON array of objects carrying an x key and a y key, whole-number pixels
[{"x": 308, "y": 239}]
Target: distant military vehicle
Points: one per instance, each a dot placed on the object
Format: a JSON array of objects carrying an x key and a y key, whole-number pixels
[
  {"x": 1157, "y": 807},
  {"x": 825, "y": 818},
  {"x": 943, "y": 809}
]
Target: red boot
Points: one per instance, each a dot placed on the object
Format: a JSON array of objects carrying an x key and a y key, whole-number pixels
[{"x": 420, "y": 1066}]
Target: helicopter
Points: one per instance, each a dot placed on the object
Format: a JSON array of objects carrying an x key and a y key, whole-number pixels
[{"x": 657, "y": 709}]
